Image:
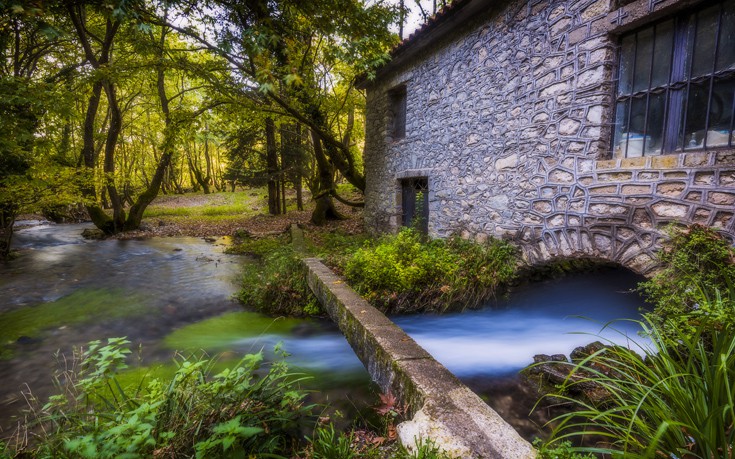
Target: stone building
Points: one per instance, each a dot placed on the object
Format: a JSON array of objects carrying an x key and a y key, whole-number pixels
[{"x": 577, "y": 127}]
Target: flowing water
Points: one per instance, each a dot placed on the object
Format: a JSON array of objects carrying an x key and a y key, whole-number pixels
[{"x": 176, "y": 293}]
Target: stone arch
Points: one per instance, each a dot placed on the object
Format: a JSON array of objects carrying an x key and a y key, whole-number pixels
[{"x": 621, "y": 245}]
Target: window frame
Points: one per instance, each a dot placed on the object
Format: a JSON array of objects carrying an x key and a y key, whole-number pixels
[
  {"x": 676, "y": 90},
  {"x": 397, "y": 103},
  {"x": 409, "y": 189}
]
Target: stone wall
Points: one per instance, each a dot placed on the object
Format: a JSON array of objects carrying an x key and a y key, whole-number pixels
[{"x": 510, "y": 120}]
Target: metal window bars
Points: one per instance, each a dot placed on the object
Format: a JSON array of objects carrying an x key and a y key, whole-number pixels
[{"x": 693, "y": 107}]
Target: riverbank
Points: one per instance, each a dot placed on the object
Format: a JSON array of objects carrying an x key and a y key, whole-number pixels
[{"x": 228, "y": 214}]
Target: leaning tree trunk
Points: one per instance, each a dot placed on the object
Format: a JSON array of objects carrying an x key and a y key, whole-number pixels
[
  {"x": 135, "y": 215},
  {"x": 325, "y": 209}
]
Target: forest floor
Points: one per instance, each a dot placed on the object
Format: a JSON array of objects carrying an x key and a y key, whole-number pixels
[{"x": 228, "y": 214}]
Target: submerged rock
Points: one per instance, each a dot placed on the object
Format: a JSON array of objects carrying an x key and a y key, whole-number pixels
[{"x": 93, "y": 234}]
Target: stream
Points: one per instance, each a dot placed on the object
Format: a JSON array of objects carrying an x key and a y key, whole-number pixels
[{"x": 170, "y": 294}]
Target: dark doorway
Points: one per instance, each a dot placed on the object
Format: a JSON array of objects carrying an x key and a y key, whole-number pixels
[{"x": 415, "y": 203}]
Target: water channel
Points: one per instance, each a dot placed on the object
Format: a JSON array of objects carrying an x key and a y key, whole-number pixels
[{"x": 172, "y": 294}]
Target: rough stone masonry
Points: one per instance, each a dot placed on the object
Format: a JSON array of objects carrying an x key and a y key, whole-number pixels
[{"x": 509, "y": 115}]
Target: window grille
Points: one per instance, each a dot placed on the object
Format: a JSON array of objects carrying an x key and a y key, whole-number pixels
[
  {"x": 676, "y": 84},
  {"x": 415, "y": 203}
]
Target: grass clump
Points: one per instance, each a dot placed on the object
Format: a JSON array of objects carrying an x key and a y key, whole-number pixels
[
  {"x": 244, "y": 410},
  {"x": 405, "y": 273},
  {"x": 205, "y": 207},
  {"x": 277, "y": 285},
  {"x": 678, "y": 399},
  {"x": 260, "y": 247}
]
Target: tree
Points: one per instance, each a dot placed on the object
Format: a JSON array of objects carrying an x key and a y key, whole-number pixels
[
  {"x": 26, "y": 92},
  {"x": 115, "y": 46},
  {"x": 288, "y": 52}
]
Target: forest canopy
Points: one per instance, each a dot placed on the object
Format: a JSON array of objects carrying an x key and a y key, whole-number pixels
[{"x": 107, "y": 103}]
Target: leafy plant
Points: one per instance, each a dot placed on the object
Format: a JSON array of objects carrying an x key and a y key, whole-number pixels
[
  {"x": 244, "y": 410},
  {"x": 277, "y": 285},
  {"x": 562, "y": 450},
  {"x": 677, "y": 401},
  {"x": 697, "y": 280},
  {"x": 404, "y": 273}
]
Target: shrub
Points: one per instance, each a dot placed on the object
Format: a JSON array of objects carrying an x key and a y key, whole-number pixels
[
  {"x": 277, "y": 285},
  {"x": 698, "y": 265},
  {"x": 403, "y": 273},
  {"x": 677, "y": 401},
  {"x": 238, "y": 412}
]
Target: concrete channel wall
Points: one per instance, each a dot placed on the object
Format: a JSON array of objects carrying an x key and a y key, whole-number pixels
[{"x": 443, "y": 409}]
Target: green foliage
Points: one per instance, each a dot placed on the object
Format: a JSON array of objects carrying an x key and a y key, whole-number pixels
[
  {"x": 277, "y": 285},
  {"x": 677, "y": 401},
  {"x": 258, "y": 247},
  {"x": 403, "y": 273},
  {"x": 328, "y": 444},
  {"x": 562, "y": 450},
  {"x": 696, "y": 282},
  {"x": 424, "y": 449},
  {"x": 238, "y": 412}
]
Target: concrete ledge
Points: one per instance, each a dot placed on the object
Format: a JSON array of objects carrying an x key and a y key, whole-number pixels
[{"x": 443, "y": 408}]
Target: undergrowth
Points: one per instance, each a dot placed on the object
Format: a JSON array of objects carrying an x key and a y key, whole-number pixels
[
  {"x": 248, "y": 409},
  {"x": 696, "y": 284},
  {"x": 276, "y": 284},
  {"x": 405, "y": 273},
  {"x": 251, "y": 409}
]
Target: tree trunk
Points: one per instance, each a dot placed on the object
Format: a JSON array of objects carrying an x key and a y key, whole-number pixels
[
  {"x": 135, "y": 216},
  {"x": 113, "y": 132},
  {"x": 283, "y": 195},
  {"x": 324, "y": 209},
  {"x": 299, "y": 168},
  {"x": 198, "y": 179},
  {"x": 272, "y": 166},
  {"x": 7, "y": 220}
]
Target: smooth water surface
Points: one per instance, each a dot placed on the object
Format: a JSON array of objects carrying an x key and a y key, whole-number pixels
[{"x": 176, "y": 294}]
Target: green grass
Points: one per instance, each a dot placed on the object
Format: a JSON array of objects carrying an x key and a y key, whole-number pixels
[
  {"x": 81, "y": 306},
  {"x": 215, "y": 205}
]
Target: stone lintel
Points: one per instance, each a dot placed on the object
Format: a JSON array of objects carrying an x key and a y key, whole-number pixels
[{"x": 443, "y": 408}]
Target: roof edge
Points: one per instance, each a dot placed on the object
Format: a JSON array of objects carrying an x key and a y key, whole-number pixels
[{"x": 437, "y": 27}]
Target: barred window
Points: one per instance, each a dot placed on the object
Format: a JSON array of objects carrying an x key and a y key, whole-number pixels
[
  {"x": 676, "y": 84},
  {"x": 415, "y": 203}
]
